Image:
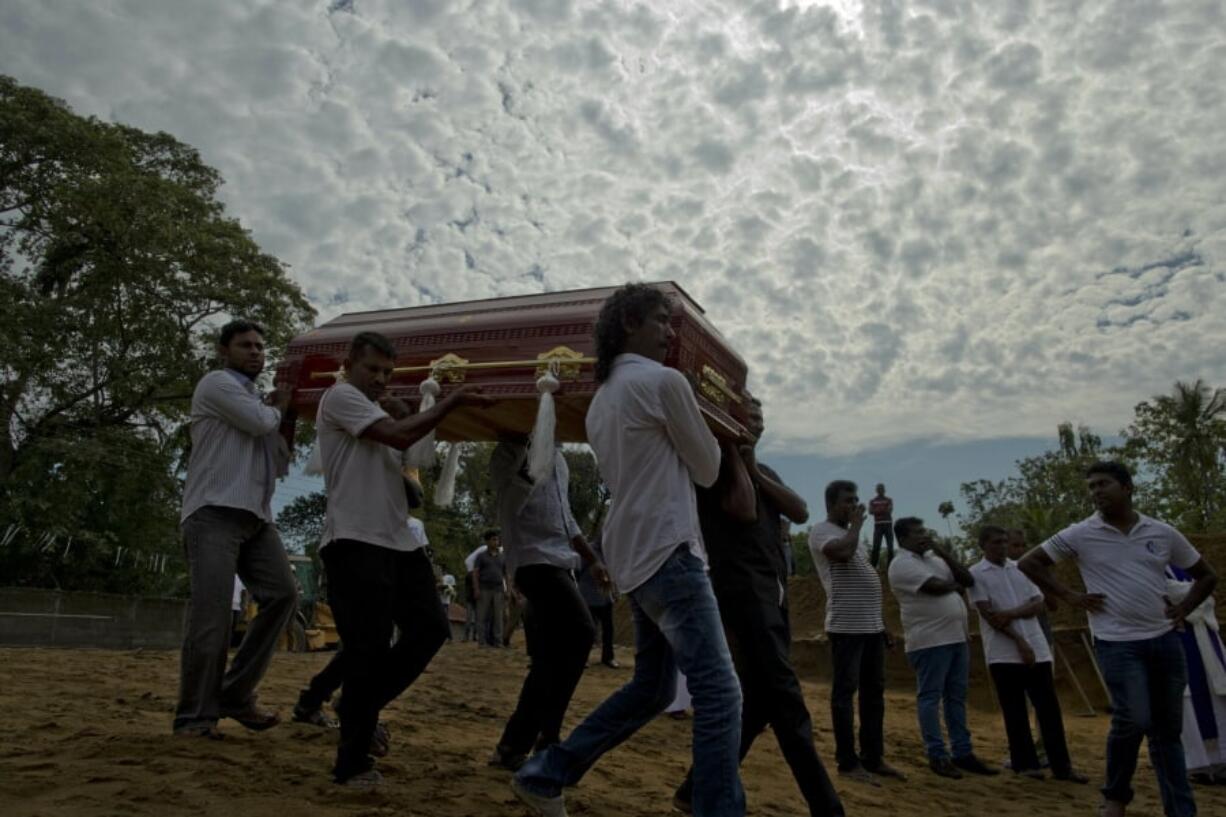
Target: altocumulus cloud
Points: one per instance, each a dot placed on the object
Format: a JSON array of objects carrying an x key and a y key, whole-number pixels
[{"x": 942, "y": 219}]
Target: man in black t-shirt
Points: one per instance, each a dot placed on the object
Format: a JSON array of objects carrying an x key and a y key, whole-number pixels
[{"x": 741, "y": 527}]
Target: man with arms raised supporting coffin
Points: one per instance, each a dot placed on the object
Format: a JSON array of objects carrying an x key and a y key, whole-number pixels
[
  {"x": 652, "y": 445},
  {"x": 378, "y": 575}
]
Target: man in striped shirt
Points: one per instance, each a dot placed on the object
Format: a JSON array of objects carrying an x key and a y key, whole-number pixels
[
  {"x": 228, "y": 528},
  {"x": 858, "y": 638}
]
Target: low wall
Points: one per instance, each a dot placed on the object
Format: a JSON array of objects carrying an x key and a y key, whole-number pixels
[{"x": 51, "y": 618}]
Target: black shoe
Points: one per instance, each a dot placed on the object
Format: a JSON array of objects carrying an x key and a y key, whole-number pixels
[
  {"x": 313, "y": 716},
  {"x": 972, "y": 764},
  {"x": 504, "y": 759},
  {"x": 884, "y": 769},
  {"x": 1071, "y": 776},
  {"x": 682, "y": 803},
  {"x": 945, "y": 767}
]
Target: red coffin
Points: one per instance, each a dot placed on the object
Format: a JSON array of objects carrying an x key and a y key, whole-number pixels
[{"x": 502, "y": 345}]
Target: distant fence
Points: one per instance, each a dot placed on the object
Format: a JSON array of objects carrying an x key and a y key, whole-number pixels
[{"x": 52, "y": 618}]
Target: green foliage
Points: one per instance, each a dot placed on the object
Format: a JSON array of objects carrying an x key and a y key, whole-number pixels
[
  {"x": 802, "y": 559},
  {"x": 1181, "y": 438},
  {"x": 301, "y": 522},
  {"x": 117, "y": 264},
  {"x": 1047, "y": 494}
]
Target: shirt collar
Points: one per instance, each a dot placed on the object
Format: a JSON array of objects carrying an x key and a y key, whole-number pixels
[
  {"x": 1097, "y": 521},
  {"x": 626, "y": 358},
  {"x": 246, "y": 381}
]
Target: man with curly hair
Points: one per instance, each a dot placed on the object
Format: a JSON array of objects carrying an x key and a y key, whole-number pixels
[{"x": 652, "y": 446}]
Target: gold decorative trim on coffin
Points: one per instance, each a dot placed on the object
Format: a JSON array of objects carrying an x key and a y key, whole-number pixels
[
  {"x": 714, "y": 386},
  {"x": 564, "y": 361}
]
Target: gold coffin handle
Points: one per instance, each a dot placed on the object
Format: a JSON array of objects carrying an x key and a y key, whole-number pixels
[{"x": 714, "y": 386}]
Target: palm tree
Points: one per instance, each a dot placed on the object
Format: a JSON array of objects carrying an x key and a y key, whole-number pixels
[{"x": 1198, "y": 415}]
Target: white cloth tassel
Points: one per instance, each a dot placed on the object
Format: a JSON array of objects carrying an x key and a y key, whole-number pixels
[
  {"x": 544, "y": 432},
  {"x": 315, "y": 462},
  {"x": 421, "y": 453},
  {"x": 444, "y": 490}
]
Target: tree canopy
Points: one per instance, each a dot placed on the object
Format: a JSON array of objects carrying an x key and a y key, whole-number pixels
[{"x": 117, "y": 265}]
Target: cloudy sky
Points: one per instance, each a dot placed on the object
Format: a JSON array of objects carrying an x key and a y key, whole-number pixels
[{"x": 933, "y": 229}]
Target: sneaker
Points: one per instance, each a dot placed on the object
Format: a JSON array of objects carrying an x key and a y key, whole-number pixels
[
  {"x": 539, "y": 805},
  {"x": 972, "y": 764},
  {"x": 944, "y": 767},
  {"x": 1071, "y": 776},
  {"x": 314, "y": 717},
  {"x": 503, "y": 759},
  {"x": 1033, "y": 774},
  {"x": 861, "y": 775},
  {"x": 612, "y": 664},
  {"x": 253, "y": 717},
  {"x": 884, "y": 769},
  {"x": 364, "y": 781},
  {"x": 380, "y": 740}
]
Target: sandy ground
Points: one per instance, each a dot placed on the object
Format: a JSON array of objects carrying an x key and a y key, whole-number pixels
[{"x": 88, "y": 733}]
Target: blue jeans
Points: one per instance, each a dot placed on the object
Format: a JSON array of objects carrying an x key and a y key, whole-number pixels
[
  {"x": 1147, "y": 680},
  {"x": 676, "y": 625},
  {"x": 941, "y": 675}
]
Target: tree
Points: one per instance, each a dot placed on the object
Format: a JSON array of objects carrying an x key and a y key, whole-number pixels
[
  {"x": 117, "y": 263},
  {"x": 1047, "y": 494},
  {"x": 301, "y": 522},
  {"x": 1181, "y": 439}
]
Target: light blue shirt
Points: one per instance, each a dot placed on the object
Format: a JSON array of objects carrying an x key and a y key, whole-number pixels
[{"x": 535, "y": 518}]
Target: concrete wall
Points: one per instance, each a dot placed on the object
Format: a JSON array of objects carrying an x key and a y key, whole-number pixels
[{"x": 50, "y": 618}]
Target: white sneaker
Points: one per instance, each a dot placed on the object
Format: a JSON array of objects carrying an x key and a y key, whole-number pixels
[
  {"x": 540, "y": 806},
  {"x": 369, "y": 779}
]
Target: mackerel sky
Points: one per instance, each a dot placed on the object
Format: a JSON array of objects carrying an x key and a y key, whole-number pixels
[{"x": 921, "y": 223}]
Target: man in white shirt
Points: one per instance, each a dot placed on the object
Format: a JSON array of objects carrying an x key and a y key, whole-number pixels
[
  {"x": 544, "y": 547},
  {"x": 652, "y": 446},
  {"x": 858, "y": 638},
  {"x": 378, "y": 574},
  {"x": 1019, "y": 658},
  {"x": 1122, "y": 556},
  {"x": 228, "y": 530},
  {"x": 928, "y": 583}
]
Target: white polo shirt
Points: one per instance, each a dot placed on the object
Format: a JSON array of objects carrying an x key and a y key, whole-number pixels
[
  {"x": 1129, "y": 569},
  {"x": 1004, "y": 587},
  {"x": 927, "y": 620},
  {"x": 363, "y": 480}
]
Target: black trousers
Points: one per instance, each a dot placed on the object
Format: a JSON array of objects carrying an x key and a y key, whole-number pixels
[
  {"x": 882, "y": 531},
  {"x": 372, "y": 588},
  {"x": 859, "y": 667},
  {"x": 760, "y": 636},
  {"x": 1014, "y": 683},
  {"x": 559, "y": 632},
  {"x": 602, "y": 614},
  {"x": 325, "y": 683}
]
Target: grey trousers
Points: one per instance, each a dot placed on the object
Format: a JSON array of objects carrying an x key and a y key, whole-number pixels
[
  {"x": 490, "y": 606},
  {"x": 218, "y": 543}
]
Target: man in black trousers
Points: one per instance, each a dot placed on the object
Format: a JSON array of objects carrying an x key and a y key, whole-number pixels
[{"x": 741, "y": 518}]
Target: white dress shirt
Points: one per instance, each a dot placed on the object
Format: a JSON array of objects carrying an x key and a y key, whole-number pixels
[
  {"x": 1129, "y": 569},
  {"x": 534, "y": 519},
  {"x": 236, "y": 450},
  {"x": 652, "y": 445},
  {"x": 1004, "y": 587}
]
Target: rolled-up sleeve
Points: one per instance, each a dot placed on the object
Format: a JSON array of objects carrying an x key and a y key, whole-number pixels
[{"x": 688, "y": 430}]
